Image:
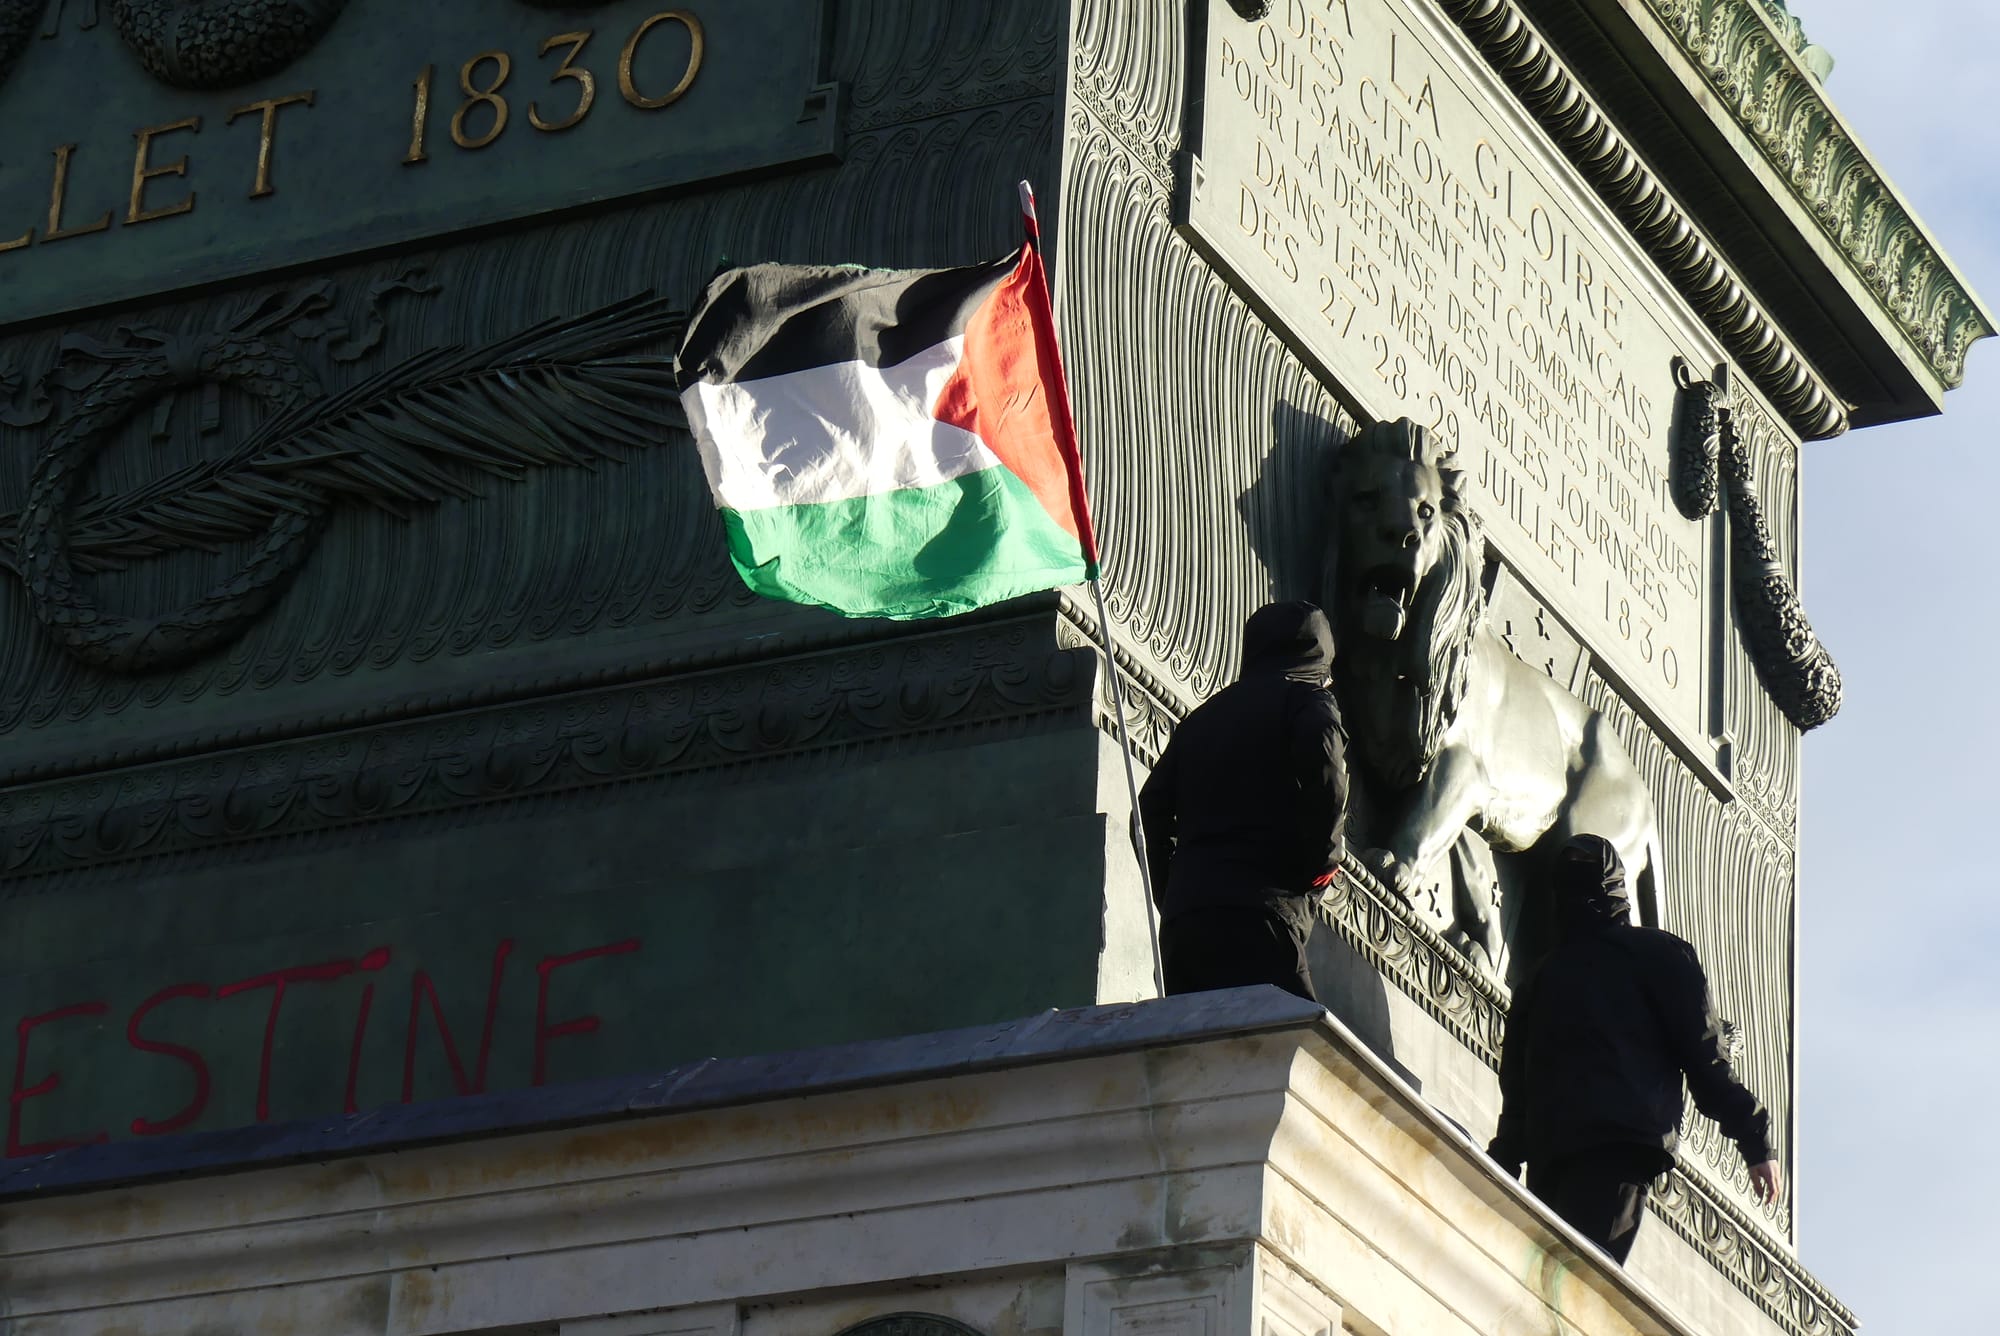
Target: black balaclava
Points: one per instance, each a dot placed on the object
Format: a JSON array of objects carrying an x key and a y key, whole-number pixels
[
  {"x": 1590, "y": 886},
  {"x": 1292, "y": 639}
]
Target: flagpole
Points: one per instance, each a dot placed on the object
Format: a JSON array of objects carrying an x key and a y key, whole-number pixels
[
  {"x": 1131, "y": 784},
  {"x": 1138, "y": 827}
]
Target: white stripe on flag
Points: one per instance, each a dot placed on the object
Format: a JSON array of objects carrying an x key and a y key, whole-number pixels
[{"x": 832, "y": 433}]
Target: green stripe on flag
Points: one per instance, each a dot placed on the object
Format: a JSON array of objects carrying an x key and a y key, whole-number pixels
[{"x": 917, "y": 552}]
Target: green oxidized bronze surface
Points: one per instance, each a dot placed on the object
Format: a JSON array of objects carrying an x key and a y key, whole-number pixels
[
  {"x": 228, "y": 137},
  {"x": 367, "y": 625}
]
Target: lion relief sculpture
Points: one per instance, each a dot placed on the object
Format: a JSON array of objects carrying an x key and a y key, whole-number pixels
[{"x": 1455, "y": 737}]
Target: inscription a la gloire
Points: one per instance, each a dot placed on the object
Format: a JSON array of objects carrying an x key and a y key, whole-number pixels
[{"x": 1405, "y": 238}]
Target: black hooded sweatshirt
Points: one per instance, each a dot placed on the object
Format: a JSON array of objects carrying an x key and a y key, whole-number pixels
[
  {"x": 1248, "y": 802},
  {"x": 1604, "y": 1029}
]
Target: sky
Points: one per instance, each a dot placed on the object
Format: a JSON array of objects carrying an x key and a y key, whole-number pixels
[{"x": 1900, "y": 900}]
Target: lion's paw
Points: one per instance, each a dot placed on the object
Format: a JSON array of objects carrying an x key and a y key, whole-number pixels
[{"x": 1393, "y": 872}]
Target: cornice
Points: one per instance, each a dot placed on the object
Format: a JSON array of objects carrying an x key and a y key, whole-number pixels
[
  {"x": 699, "y": 722},
  {"x": 1780, "y": 16},
  {"x": 1760, "y": 80}
]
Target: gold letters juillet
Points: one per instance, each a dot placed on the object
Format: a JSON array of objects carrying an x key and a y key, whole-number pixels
[{"x": 480, "y": 79}]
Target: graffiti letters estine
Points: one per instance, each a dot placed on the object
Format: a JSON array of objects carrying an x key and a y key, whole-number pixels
[{"x": 163, "y": 1030}]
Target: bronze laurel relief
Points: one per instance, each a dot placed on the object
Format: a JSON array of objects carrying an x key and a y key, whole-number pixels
[
  {"x": 562, "y": 393},
  {"x": 1709, "y": 457}
]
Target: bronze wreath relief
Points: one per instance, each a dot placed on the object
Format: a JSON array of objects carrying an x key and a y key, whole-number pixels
[
  {"x": 1710, "y": 457},
  {"x": 202, "y": 43},
  {"x": 565, "y": 392},
  {"x": 192, "y": 43}
]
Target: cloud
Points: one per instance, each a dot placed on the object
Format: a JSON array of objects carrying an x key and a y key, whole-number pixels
[{"x": 1899, "y": 894}]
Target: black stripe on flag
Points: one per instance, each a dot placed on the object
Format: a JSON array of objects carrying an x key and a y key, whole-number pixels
[{"x": 770, "y": 319}]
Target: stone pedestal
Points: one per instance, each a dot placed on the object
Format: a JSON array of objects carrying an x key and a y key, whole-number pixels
[{"x": 1233, "y": 1164}]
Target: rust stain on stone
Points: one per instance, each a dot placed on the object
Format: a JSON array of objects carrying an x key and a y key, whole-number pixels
[
  {"x": 536, "y": 1158},
  {"x": 941, "y": 1108},
  {"x": 419, "y": 1294},
  {"x": 125, "y": 1214}
]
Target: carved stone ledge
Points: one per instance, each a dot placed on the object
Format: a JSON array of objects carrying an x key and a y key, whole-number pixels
[
  {"x": 1777, "y": 102},
  {"x": 1556, "y": 99},
  {"x": 1388, "y": 933},
  {"x": 999, "y": 673},
  {"x": 1412, "y": 956},
  {"x": 1787, "y": 1292}
]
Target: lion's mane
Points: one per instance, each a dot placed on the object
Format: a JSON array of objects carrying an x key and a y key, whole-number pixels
[{"x": 1400, "y": 697}]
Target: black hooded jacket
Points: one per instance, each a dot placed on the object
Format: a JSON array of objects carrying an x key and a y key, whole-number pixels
[
  {"x": 1250, "y": 798},
  {"x": 1602, "y": 1032}
]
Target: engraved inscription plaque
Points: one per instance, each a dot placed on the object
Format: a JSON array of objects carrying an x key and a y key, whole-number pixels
[
  {"x": 399, "y": 124},
  {"x": 1360, "y": 177}
]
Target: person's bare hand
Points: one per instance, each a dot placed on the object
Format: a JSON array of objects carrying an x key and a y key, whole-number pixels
[{"x": 1767, "y": 1180}]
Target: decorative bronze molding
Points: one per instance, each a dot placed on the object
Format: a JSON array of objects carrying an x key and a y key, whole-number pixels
[
  {"x": 1817, "y": 59},
  {"x": 1559, "y": 103},
  {"x": 1694, "y": 449},
  {"x": 1776, "y": 101},
  {"x": 873, "y": 697}
]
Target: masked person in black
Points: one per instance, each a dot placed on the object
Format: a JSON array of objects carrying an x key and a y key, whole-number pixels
[
  {"x": 1598, "y": 1040},
  {"x": 1243, "y": 814}
]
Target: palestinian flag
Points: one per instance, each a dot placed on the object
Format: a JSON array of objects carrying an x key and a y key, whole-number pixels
[{"x": 889, "y": 443}]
